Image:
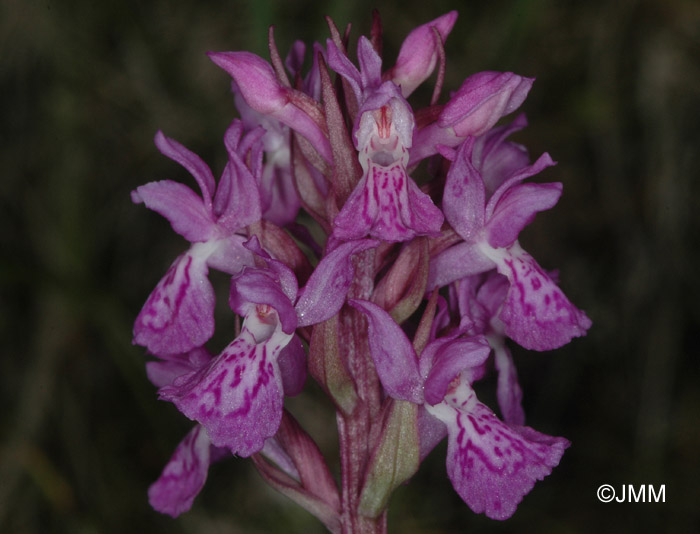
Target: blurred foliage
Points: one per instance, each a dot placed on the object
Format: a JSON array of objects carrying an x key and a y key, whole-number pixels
[{"x": 84, "y": 86}]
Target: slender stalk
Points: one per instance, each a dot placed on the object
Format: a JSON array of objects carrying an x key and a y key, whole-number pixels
[{"x": 355, "y": 429}]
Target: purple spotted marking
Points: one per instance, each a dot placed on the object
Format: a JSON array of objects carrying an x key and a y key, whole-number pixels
[
  {"x": 536, "y": 313},
  {"x": 238, "y": 396},
  {"x": 179, "y": 314}
]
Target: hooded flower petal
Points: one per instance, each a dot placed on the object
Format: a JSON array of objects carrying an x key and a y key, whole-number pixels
[
  {"x": 491, "y": 465},
  {"x": 261, "y": 287},
  {"x": 473, "y": 110},
  {"x": 419, "y": 53},
  {"x": 262, "y": 91},
  {"x": 536, "y": 313},
  {"x": 184, "y": 475},
  {"x": 482, "y": 100},
  {"x": 450, "y": 360},
  {"x": 241, "y": 205},
  {"x": 497, "y": 159},
  {"x": 179, "y": 314}
]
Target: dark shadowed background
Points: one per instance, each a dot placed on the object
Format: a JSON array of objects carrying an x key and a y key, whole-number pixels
[{"x": 84, "y": 85}]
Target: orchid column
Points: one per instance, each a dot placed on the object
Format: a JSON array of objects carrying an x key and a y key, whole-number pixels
[{"x": 402, "y": 297}]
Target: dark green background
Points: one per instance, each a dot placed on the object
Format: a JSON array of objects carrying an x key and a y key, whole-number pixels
[{"x": 84, "y": 85}]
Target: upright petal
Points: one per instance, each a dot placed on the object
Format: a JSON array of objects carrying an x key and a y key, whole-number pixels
[
  {"x": 464, "y": 198},
  {"x": 517, "y": 208},
  {"x": 176, "y": 202},
  {"x": 242, "y": 207},
  {"x": 341, "y": 64},
  {"x": 324, "y": 293},
  {"x": 393, "y": 354},
  {"x": 370, "y": 63},
  {"x": 179, "y": 314},
  {"x": 497, "y": 159},
  {"x": 419, "y": 53},
  {"x": 199, "y": 170}
]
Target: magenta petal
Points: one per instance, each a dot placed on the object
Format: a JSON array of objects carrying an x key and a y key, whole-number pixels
[
  {"x": 458, "y": 261},
  {"x": 259, "y": 286},
  {"x": 243, "y": 204},
  {"x": 292, "y": 365},
  {"x": 259, "y": 87},
  {"x": 393, "y": 354},
  {"x": 255, "y": 78},
  {"x": 496, "y": 158},
  {"x": 464, "y": 198},
  {"x": 431, "y": 431},
  {"x": 179, "y": 314},
  {"x": 509, "y": 393},
  {"x": 419, "y": 53},
  {"x": 542, "y": 163},
  {"x": 281, "y": 197},
  {"x": 199, "y": 170},
  {"x": 184, "y": 475},
  {"x": 340, "y": 63},
  {"x": 493, "y": 466},
  {"x": 181, "y": 206},
  {"x": 517, "y": 208},
  {"x": 325, "y": 291},
  {"x": 536, "y": 313},
  {"x": 482, "y": 100},
  {"x": 451, "y": 359},
  {"x": 370, "y": 63},
  {"x": 164, "y": 372},
  {"x": 238, "y": 397},
  {"x": 387, "y": 205},
  {"x": 426, "y": 218}
]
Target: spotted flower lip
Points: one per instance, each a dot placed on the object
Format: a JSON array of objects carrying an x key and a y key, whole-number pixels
[
  {"x": 179, "y": 314},
  {"x": 536, "y": 313},
  {"x": 492, "y": 465},
  {"x": 238, "y": 396}
]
